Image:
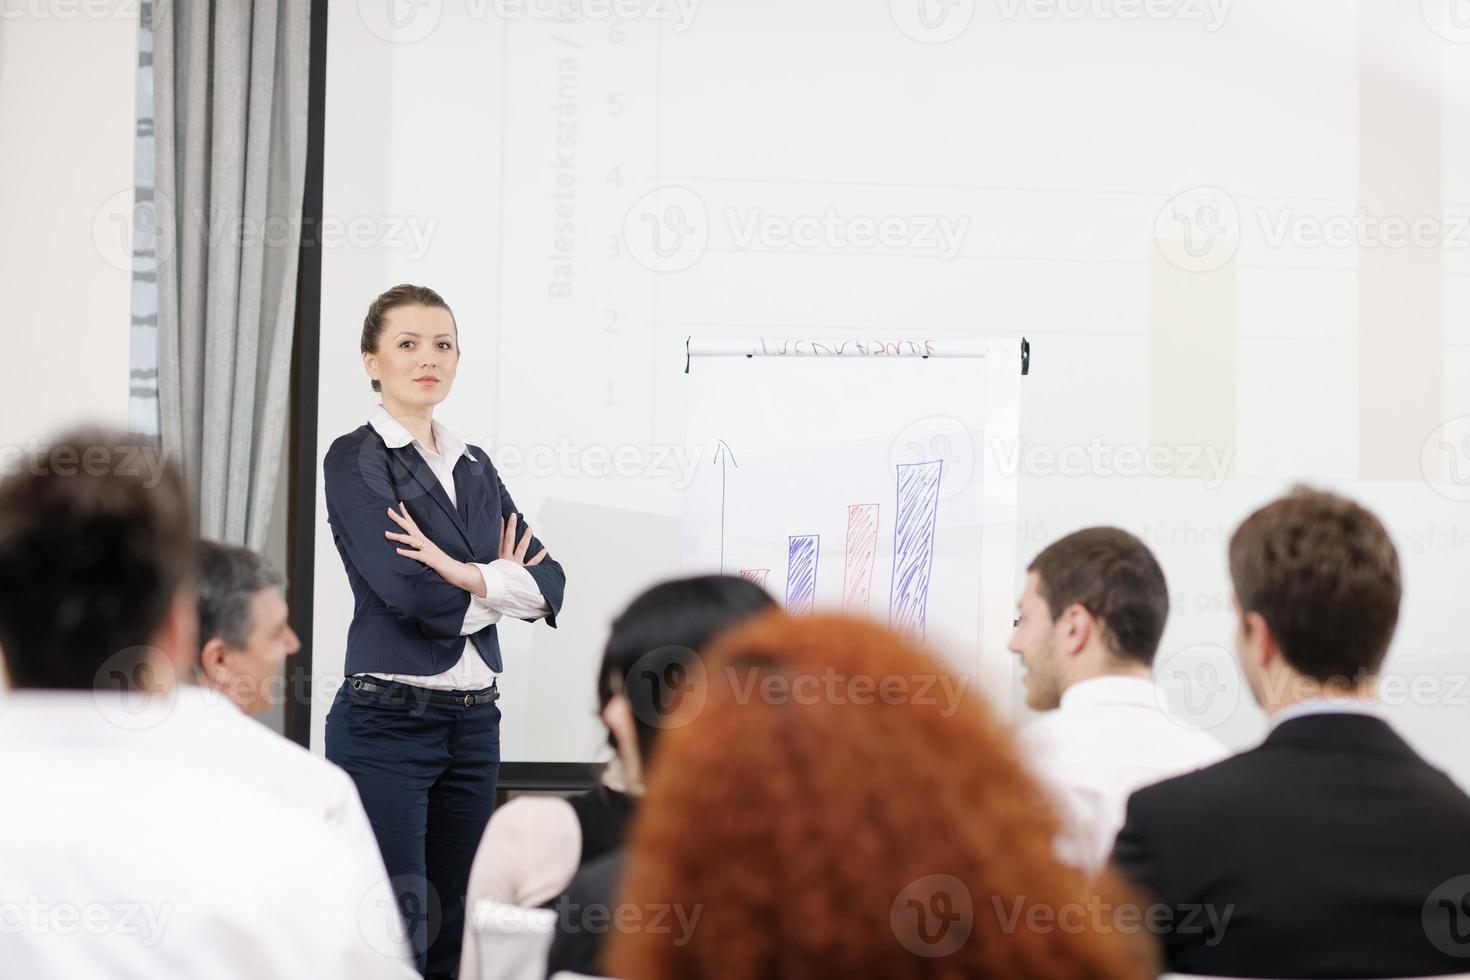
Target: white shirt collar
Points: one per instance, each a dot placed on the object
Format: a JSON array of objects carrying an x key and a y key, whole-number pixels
[
  {"x": 1111, "y": 689},
  {"x": 1334, "y": 705},
  {"x": 74, "y": 716},
  {"x": 395, "y": 436}
]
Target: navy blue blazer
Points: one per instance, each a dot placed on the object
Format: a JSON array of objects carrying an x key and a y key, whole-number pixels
[{"x": 406, "y": 619}]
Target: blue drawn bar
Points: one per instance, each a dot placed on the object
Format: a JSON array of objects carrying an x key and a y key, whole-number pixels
[
  {"x": 801, "y": 571},
  {"x": 913, "y": 544}
]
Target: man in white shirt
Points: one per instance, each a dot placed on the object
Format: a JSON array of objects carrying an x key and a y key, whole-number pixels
[
  {"x": 148, "y": 831},
  {"x": 245, "y": 636},
  {"x": 1090, "y": 619},
  {"x": 245, "y": 630}
]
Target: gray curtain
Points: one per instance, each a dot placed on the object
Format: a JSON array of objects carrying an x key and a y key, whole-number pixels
[
  {"x": 230, "y": 83},
  {"x": 143, "y": 345}
]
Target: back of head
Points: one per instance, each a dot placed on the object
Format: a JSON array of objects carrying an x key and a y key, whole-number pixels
[
  {"x": 229, "y": 576},
  {"x": 1324, "y": 575},
  {"x": 840, "y": 806},
  {"x": 654, "y": 641},
  {"x": 1116, "y": 578},
  {"x": 95, "y": 542}
]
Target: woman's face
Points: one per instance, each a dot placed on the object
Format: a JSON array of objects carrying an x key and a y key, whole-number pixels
[
  {"x": 617, "y": 714},
  {"x": 417, "y": 355}
]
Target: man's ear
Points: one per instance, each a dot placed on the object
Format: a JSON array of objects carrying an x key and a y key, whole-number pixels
[
  {"x": 1260, "y": 641},
  {"x": 1077, "y": 626},
  {"x": 212, "y": 660}
]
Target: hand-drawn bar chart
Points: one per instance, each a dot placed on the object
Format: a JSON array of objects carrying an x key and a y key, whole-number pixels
[
  {"x": 871, "y": 486},
  {"x": 862, "y": 555},
  {"x": 915, "y": 522},
  {"x": 913, "y": 544},
  {"x": 801, "y": 572}
]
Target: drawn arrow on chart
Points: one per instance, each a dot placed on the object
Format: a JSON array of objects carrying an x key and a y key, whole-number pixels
[{"x": 725, "y": 456}]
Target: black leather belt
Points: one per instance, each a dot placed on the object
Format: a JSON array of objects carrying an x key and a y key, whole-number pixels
[{"x": 409, "y": 692}]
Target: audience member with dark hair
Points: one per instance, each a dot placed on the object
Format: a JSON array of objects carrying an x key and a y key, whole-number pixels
[
  {"x": 837, "y": 806},
  {"x": 1327, "y": 851},
  {"x": 1089, "y": 623},
  {"x": 95, "y": 560},
  {"x": 535, "y": 844},
  {"x": 148, "y": 836}
]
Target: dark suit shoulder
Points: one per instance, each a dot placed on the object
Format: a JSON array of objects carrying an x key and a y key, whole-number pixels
[
  {"x": 483, "y": 459},
  {"x": 1287, "y": 764},
  {"x": 352, "y": 443},
  {"x": 1202, "y": 787},
  {"x": 360, "y": 451},
  {"x": 1439, "y": 788}
]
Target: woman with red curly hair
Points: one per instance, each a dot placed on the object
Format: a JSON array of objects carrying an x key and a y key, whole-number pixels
[{"x": 840, "y": 805}]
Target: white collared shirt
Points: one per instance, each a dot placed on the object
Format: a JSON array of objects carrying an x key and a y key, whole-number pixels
[
  {"x": 169, "y": 836},
  {"x": 275, "y": 764},
  {"x": 1110, "y": 736},
  {"x": 1334, "y": 705},
  {"x": 509, "y": 588}
]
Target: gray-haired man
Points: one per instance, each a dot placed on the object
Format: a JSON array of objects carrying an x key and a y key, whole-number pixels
[{"x": 244, "y": 632}]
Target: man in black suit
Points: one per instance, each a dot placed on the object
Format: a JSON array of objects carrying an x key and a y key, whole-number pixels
[{"x": 1332, "y": 849}]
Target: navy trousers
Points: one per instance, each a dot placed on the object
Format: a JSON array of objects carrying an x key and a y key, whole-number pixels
[{"x": 426, "y": 773}]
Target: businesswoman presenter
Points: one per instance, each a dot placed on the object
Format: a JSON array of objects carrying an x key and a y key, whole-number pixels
[{"x": 436, "y": 555}]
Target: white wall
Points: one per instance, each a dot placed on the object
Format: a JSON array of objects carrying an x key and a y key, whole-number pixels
[
  {"x": 1264, "y": 330},
  {"x": 67, "y": 124}
]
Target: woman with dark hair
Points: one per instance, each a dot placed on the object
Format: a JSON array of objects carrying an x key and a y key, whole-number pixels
[
  {"x": 436, "y": 554},
  {"x": 840, "y": 808},
  {"x": 535, "y": 844}
]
